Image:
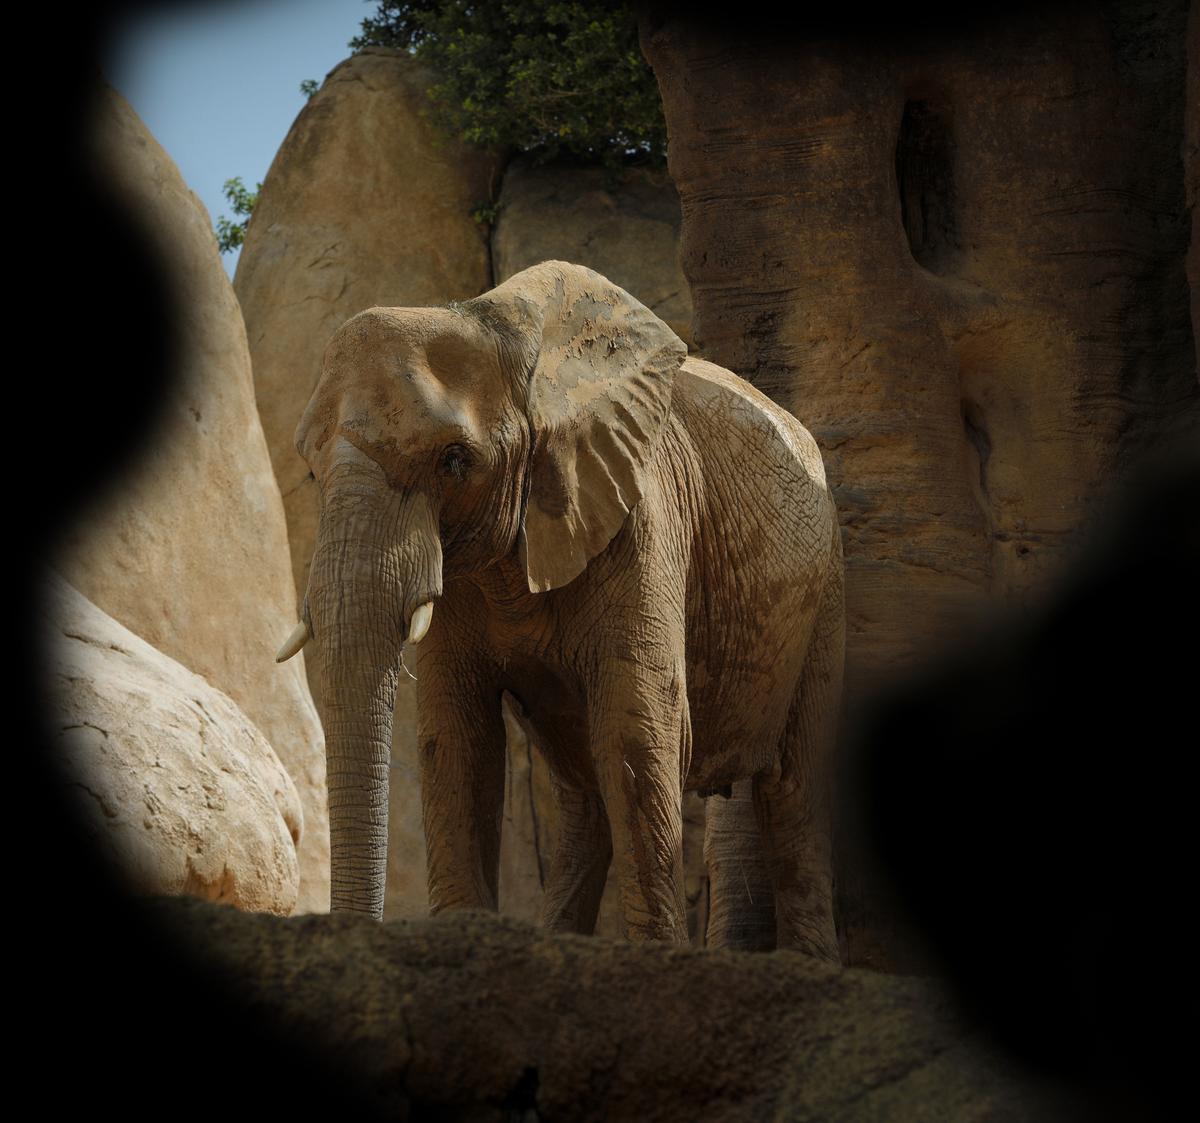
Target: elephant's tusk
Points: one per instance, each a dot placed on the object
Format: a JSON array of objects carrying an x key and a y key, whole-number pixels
[
  {"x": 299, "y": 637},
  {"x": 421, "y": 620}
]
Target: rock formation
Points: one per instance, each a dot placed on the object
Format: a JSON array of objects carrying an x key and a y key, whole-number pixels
[
  {"x": 624, "y": 225},
  {"x": 957, "y": 255},
  {"x": 474, "y": 1016},
  {"x": 189, "y": 550},
  {"x": 174, "y": 784}
]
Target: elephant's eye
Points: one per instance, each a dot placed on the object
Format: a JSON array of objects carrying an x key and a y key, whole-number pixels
[{"x": 455, "y": 462}]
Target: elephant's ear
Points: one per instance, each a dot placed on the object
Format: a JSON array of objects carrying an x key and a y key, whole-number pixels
[{"x": 601, "y": 369}]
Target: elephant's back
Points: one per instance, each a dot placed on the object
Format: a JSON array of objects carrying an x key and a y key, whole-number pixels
[
  {"x": 708, "y": 387},
  {"x": 737, "y": 428},
  {"x": 761, "y": 555}
]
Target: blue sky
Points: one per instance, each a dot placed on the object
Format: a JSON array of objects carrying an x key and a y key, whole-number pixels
[{"x": 218, "y": 84}]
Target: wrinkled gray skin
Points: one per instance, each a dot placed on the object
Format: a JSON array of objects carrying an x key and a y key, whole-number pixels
[{"x": 640, "y": 551}]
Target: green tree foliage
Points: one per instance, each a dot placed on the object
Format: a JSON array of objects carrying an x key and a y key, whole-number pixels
[
  {"x": 309, "y": 87},
  {"x": 231, "y": 234},
  {"x": 548, "y": 77}
]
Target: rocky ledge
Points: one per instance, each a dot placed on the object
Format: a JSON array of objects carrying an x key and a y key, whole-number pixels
[{"x": 481, "y": 1017}]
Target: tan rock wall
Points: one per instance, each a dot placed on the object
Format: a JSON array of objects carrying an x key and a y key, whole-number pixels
[
  {"x": 958, "y": 259},
  {"x": 171, "y": 781},
  {"x": 189, "y": 549}
]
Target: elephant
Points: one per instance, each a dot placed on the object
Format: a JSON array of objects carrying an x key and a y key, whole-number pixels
[{"x": 536, "y": 496}]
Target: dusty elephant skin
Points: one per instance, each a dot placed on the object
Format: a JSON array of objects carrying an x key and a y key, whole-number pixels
[
  {"x": 472, "y": 1016},
  {"x": 641, "y": 556}
]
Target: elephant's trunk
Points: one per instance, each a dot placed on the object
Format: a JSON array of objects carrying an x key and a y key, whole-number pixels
[{"x": 378, "y": 559}]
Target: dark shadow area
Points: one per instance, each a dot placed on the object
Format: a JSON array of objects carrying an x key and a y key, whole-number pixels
[
  {"x": 925, "y": 182},
  {"x": 882, "y": 23},
  {"x": 1025, "y": 799}
]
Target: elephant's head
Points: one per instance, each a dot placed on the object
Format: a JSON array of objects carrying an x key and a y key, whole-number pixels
[{"x": 443, "y": 440}]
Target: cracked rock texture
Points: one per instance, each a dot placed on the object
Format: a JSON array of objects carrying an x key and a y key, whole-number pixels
[
  {"x": 626, "y": 227},
  {"x": 363, "y": 205},
  {"x": 189, "y": 549},
  {"x": 958, "y": 257},
  {"x": 479, "y": 1017},
  {"x": 174, "y": 783}
]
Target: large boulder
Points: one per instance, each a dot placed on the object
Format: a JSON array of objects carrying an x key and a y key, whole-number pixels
[
  {"x": 623, "y": 224},
  {"x": 958, "y": 258},
  {"x": 189, "y": 550},
  {"x": 364, "y": 204},
  {"x": 171, "y": 781}
]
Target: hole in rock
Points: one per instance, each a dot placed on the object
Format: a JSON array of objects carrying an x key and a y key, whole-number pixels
[
  {"x": 521, "y": 1102},
  {"x": 925, "y": 179},
  {"x": 978, "y": 436}
]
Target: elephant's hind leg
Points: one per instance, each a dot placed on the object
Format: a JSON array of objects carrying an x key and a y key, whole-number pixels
[
  {"x": 579, "y": 868},
  {"x": 741, "y": 914},
  {"x": 793, "y": 802}
]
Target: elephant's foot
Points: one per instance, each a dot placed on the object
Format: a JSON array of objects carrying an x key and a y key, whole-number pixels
[
  {"x": 804, "y": 913},
  {"x": 796, "y": 845},
  {"x": 640, "y": 927},
  {"x": 741, "y": 914},
  {"x": 579, "y": 869}
]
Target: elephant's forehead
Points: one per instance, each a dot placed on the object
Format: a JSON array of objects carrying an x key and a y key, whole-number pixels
[
  {"x": 385, "y": 348},
  {"x": 404, "y": 419},
  {"x": 406, "y": 410},
  {"x": 399, "y": 326}
]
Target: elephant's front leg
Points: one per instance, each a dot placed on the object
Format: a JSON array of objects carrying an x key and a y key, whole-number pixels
[
  {"x": 462, "y": 741},
  {"x": 579, "y": 869},
  {"x": 641, "y": 739}
]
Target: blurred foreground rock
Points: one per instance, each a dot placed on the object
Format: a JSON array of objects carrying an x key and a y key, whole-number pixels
[
  {"x": 1191, "y": 168},
  {"x": 475, "y": 1016},
  {"x": 175, "y": 786},
  {"x": 189, "y": 548}
]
